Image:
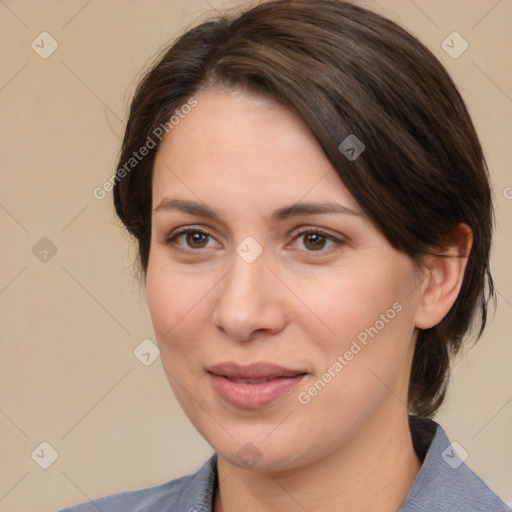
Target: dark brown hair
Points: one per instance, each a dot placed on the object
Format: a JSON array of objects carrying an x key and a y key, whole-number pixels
[{"x": 345, "y": 70}]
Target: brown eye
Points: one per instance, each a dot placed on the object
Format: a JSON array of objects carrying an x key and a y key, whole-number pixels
[
  {"x": 194, "y": 239},
  {"x": 314, "y": 241}
]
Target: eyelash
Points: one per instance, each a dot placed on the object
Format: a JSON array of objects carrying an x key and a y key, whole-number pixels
[{"x": 304, "y": 231}]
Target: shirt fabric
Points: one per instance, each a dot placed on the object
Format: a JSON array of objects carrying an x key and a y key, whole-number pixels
[{"x": 444, "y": 484}]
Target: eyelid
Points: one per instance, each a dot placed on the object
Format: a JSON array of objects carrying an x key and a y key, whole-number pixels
[
  {"x": 319, "y": 231},
  {"x": 169, "y": 239},
  {"x": 338, "y": 241}
]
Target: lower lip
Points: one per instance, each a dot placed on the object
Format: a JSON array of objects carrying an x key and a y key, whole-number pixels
[{"x": 253, "y": 396}]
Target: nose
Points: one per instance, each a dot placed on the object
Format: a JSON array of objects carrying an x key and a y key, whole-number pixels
[{"x": 249, "y": 301}]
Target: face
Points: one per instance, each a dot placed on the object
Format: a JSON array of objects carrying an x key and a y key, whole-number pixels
[{"x": 281, "y": 324}]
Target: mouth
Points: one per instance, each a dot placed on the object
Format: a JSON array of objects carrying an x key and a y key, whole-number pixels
[
  {"x": 255, "y": 385},
  {"x": 250, "y": 381}
]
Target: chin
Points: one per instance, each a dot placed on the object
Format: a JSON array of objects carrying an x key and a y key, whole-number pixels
[{"x": 258, "y": 453}]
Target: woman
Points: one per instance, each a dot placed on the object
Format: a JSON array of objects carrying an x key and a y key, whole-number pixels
[{"x": 313, "y": 217}]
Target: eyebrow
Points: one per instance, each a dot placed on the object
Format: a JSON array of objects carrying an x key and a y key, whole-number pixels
[{"x": 294, "y": 210}]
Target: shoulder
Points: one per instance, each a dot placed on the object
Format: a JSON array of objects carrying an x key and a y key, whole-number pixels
[
  {"x": 188, "y": 493},
  {"x": 445, "y": 483}
]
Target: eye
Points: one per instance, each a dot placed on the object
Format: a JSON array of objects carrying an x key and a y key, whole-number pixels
[
  {"x": 315, "y": 240},
  {"x": 194, "y": 238}
]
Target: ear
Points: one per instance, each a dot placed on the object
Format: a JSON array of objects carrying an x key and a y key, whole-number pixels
[{"x": 445, "y": 273}]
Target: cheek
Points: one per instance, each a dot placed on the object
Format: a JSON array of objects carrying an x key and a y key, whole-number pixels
[
  {"x": 176, "y": 309},
  {"x": 375, "y": 330},
  {"x": 370, "y": 316},
  {"x": 351, "y": 300},
  {"x": 176, "y": 304}
]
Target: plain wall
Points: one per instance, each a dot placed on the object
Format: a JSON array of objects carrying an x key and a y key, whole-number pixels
[{"x": 70, "y": 324}]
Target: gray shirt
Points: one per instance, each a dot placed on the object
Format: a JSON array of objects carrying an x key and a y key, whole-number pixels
[{"x": 444, "y": 484}]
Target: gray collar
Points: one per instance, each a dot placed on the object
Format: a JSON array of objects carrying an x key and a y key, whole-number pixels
[{"x": 444, "y": 483}]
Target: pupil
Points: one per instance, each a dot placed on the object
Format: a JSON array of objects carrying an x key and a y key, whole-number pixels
[
  {"x": 315, "y": 240},
  {"x": 196, "y": 238}
]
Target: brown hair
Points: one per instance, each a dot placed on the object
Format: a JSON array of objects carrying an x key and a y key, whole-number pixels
[{"x": 345, "y": 70}]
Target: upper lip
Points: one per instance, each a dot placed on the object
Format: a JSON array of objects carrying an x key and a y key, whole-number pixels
[{"x": 257, "y": 370}]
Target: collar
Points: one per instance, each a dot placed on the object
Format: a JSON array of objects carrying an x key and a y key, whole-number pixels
[{"x": 444, "y": 482}]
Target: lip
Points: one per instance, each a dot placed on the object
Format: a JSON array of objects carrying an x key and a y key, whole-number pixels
[{"x": 252, "y": 395}]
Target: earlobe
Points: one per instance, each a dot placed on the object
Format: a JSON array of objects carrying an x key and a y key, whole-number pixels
[{"x": 444, "y": 277}]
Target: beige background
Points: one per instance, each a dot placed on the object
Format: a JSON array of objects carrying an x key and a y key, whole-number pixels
[{"x": 68, "y": 375}]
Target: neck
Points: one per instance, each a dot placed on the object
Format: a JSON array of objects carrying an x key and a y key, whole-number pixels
[{"x": 374, "y": 472}]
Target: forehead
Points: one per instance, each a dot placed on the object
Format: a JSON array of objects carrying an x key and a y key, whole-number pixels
[{"x": 235, "y": 146}]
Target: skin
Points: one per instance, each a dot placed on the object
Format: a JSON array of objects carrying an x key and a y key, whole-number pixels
[{"x": 298, "y": 305}]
